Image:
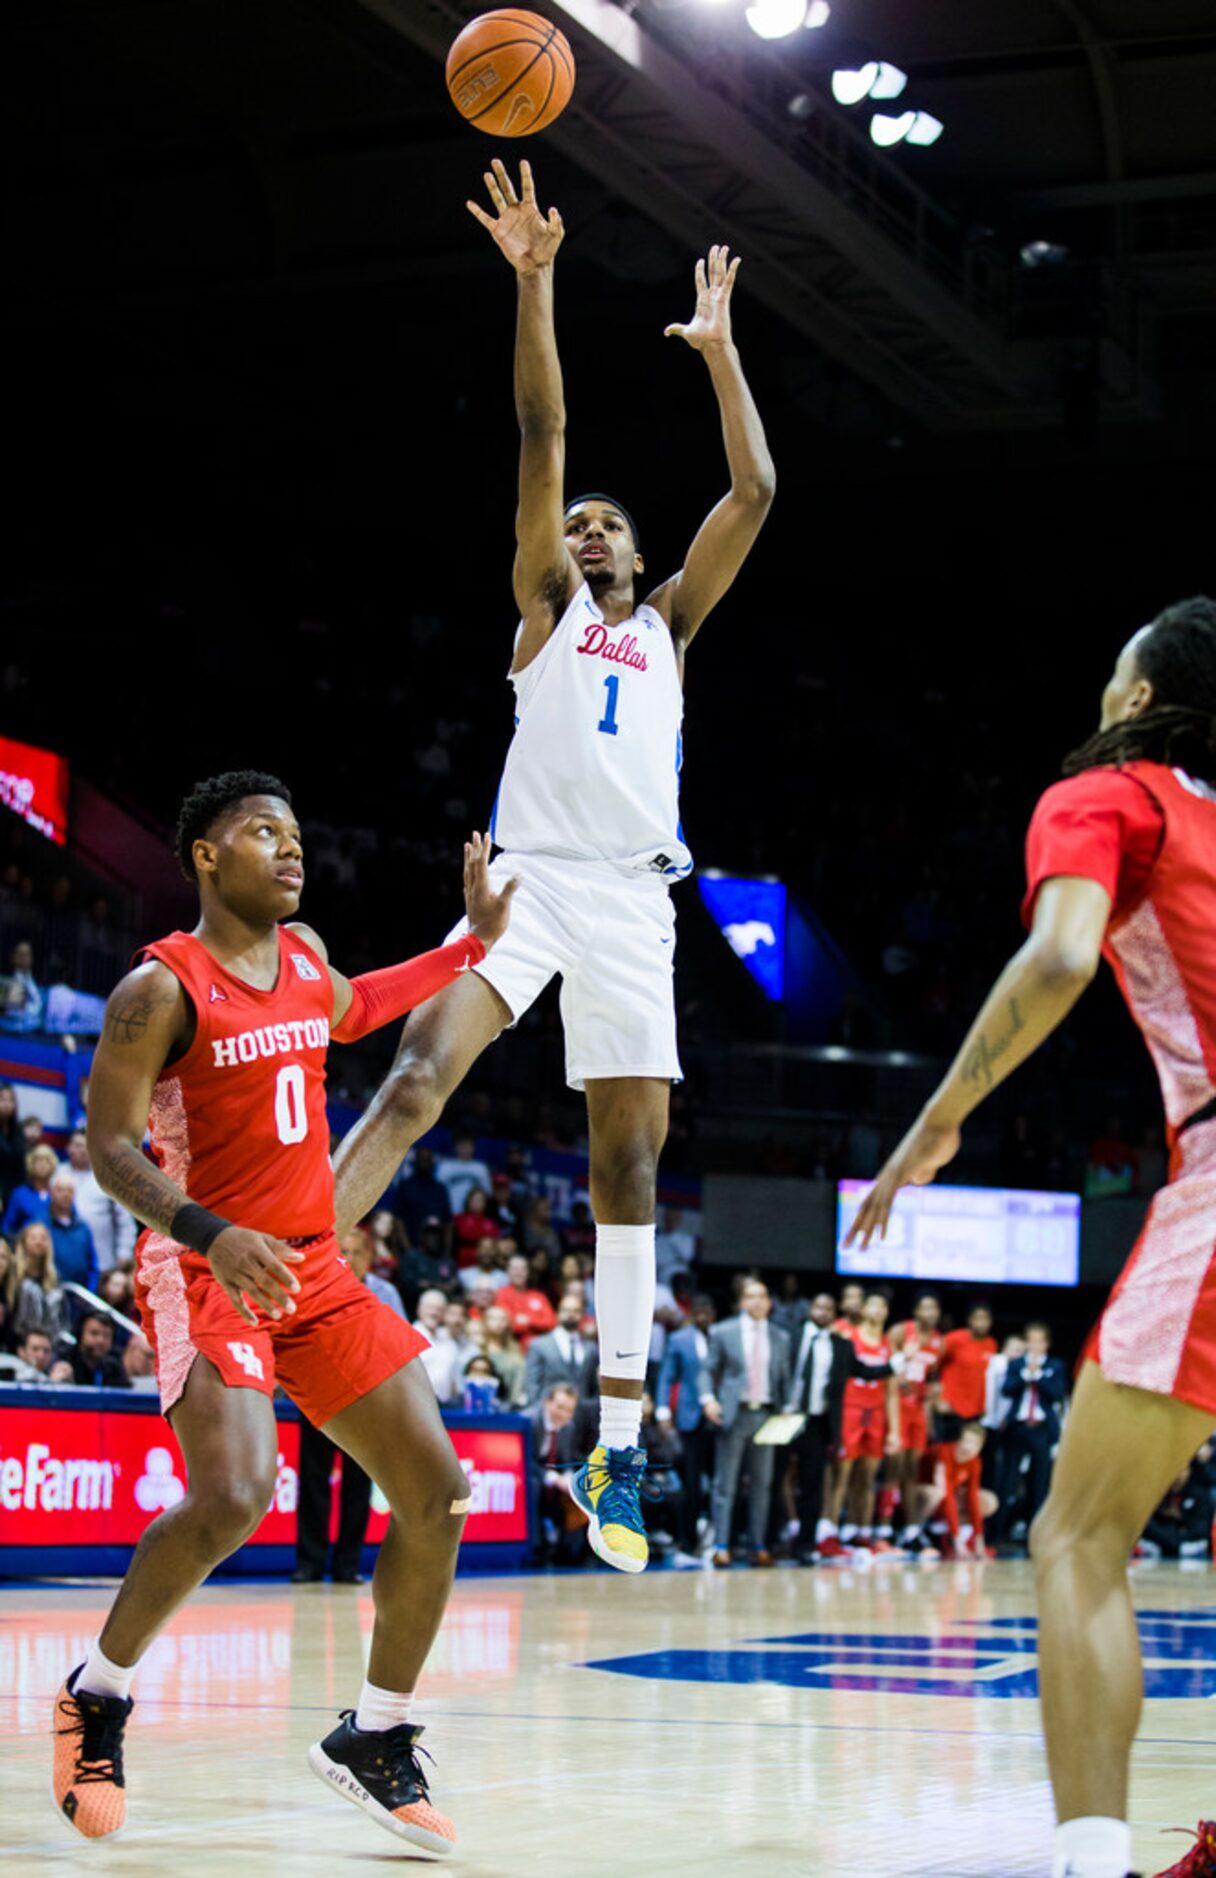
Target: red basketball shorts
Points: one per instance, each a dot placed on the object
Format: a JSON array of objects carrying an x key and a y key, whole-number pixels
[
  {"x": 864, "y": 1429},
  {"x": 913, "y": 1425},
  {"x": 339, "y": 1343},
  {"x": 1158, "y": 1331}
]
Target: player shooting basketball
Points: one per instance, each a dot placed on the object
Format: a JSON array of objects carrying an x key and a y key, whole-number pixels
[{"x": 588, "y": 815}]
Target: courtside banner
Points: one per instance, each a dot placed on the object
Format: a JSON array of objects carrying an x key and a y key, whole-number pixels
[
  {"x": 493, "y": 1461},
  {"x": 98, "y": 1477}
]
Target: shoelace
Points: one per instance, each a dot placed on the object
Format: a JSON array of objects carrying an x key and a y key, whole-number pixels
[
  {"x": 616, "y": 1506},
  {"x": 401, "y": 1751},
  {"x": 99, "y": 1756},
  {"x": 1204, "y": 1849}
]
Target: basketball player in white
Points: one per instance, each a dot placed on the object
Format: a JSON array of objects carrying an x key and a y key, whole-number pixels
[{"x": 588, "y": 818}]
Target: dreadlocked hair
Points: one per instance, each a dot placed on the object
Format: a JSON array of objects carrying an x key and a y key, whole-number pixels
[
  {"x": 209, "y": 800},
  {"x": 1178, "y": 658}
]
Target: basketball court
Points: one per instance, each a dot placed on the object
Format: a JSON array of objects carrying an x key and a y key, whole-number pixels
[{"x": 831, "y": 1722}]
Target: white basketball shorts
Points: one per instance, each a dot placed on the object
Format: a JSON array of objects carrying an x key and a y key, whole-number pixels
[{"x": 612, "y": 938}]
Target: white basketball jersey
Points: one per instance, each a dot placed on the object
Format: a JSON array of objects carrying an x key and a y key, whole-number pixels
[{"x": 593, "y": 771}]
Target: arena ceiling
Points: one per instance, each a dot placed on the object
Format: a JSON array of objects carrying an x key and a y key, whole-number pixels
[{"x": 264, "y": 203}]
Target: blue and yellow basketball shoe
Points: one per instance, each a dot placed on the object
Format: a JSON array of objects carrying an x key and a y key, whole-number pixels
[{"x": 608, "y": 1487}]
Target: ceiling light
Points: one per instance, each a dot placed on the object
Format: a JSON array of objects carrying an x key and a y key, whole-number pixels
[
  {"x": 889, "y": 82},
  {"x": 776, "y": 19},
  {"x": 926, "y": 129},
  {"x": 888, "y": 130},
  {"x": 1043, "y": 254},
  {"x": 850, "y": 87},
  {"x": 817, "y": 14}
]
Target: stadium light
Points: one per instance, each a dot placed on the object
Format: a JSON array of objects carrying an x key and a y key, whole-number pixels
[
  {"x": 926, "y": 130},
  {"x": 817, "y": 14},
  {"x": 776, "y": 19},
  {"x": 876, "y": 79},
  {"x": 909, "y": 127}
]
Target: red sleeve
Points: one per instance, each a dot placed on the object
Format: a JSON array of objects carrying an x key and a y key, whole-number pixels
[
  {"x": 1103, "y": 825},
  {"x": 379, "y": 997}
]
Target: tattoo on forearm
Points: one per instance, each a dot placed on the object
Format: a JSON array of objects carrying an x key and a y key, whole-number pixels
[
  {"x": 130, "y": 1017},
  {"x": 986, "y": 1052},
  {"x": 129, "y": 1177}
]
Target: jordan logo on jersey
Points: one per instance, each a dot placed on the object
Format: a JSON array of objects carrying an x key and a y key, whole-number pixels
[
  {"x": 217, "y": 996},
  {"x": 304, "y": 967}
]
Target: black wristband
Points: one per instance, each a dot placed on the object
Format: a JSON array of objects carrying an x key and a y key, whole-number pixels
[{"x": 196, "y": 1227}]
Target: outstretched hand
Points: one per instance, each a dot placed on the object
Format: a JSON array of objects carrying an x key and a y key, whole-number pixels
[
  {"x": 710, "y": 323},
  {"x": 527, "y": 238},
  {"x": 489, "y": 912},
  {"x": 924, "y": 1150}
]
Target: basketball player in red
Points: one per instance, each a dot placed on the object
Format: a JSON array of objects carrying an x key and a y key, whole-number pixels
[
  {"x": 870, "y": 1427},
  {"x": 215, "y": 1044},
  {"x": 957, "y": 1479},
  {"x": 1121, "y": 862},
  {"x": 917, "y": 1346}
]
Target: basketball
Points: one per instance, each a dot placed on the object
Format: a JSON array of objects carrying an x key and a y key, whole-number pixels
[{"x": 510, "y": 73}]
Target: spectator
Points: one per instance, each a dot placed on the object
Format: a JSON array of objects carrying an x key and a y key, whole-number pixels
[
  {"x": 456, "y": 1329},
  {"x": 12, "y": 1144},
  {"x": 667, "y": 1317},
  {"x": 39, "y": 1302},
  {"x": 791, "y": 1309},
  {"x": 502, "y": 1212},
  {"x": 32, "y": 1200},
  {"x": 962, "y": 1376},
  {"x": 75, "y": 1253},
  {"x": 389, "y": 1243},
  {"x": 480, "y": 1370},
  {"x": 32, "y": 1132},
  {"x": 461, "y": 1171},
  {"x": 558, "y": 1524},
  {"x": 420, "y": 1198},
  {"x": 684, "y": 1364},
  {"x": 32, "y": 1361},
  {"x": 1035, "y": 1386},
  {"x": 117, "y": 1287},
  {"x": 504, "y": 1353},
  {"x": 746, "y": 1375},
  {"x": 8, "y": 1296},
  {"x": 317, "y": 1453},
  {"x": 439, "y": 1360},
  {"x": 489, "y": 1268},
  {"x": 579, "y": 1235},
  {"x": 481, "y": 1296},
  {"x": 1182, "y": 1525},
  {"x": 138, "y": 1365},
  {"x": 358, "y": 1249},
  {"x": 92, "y": 1357},
  {"x": 528, "y": 1310},
  {"x": 113, "y": 1229},
  {"x": 25, "y": 1001},
  {"x": 663, "y": 1506},
  {"x": 675, "y": 1248},
  {"x": 471, "y": 1225},
  {"x": 427, "y": 1264},
  {"x": 822, "y": 1367},
  {"x": 559, "y": 1356},
  {"x": 540, "y": 1236}
]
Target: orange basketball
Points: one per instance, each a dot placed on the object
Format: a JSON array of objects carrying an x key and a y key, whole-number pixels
[{"x": 510, "y": 73}]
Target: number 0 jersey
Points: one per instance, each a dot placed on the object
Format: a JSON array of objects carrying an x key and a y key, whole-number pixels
[
  {"x": 593, "y": 769},
  {"x": 239, "y": 1121}
]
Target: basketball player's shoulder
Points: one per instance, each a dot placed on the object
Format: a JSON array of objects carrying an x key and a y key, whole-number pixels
[
  {"x": 149, "y": 1002},
  {"x": 297, "y": 929}
]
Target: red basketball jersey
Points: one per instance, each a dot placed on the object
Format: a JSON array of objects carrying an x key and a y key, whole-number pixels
[
  {"x": 921, "y": 1355},
  {"x": 875, "y": 1357},
  {"x": 239, "y": 1121}
]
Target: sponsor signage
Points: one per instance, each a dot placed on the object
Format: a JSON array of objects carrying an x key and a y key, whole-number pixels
[{"x": 34, "y": 784}]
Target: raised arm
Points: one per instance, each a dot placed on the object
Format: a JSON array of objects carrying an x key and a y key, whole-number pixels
[
  {"x": 530, "y": 242},
  {"x": 725, "y": 537},
  {"x": 148, "y": 1021},
  {"x": 1030, "y": 999}
]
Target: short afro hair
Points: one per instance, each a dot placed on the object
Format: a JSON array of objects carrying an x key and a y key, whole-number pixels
[{"x": 211, "y": 799}]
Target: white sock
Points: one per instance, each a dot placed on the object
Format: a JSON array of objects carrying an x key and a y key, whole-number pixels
[
  {"x": 911, "y": 1532},
  {"x": 624, "y": 1309},
  {"x": 826, "y": 1529},
  {"x": 620, "y": 1421},
  {"x": 102, "y": 1677},
  {"x": 383, "y": 1708},
  {"x": 1093, "y": 1848}
]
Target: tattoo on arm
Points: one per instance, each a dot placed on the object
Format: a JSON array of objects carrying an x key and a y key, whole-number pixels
[
  {"x": 987, "y": 1051},
  {"x": 130, "y": 1016},
  {"x": 129, "y": 1177}
]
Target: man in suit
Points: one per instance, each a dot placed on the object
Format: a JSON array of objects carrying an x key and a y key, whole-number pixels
[
  {"x": 747, "y": 1377},
  {"x": 554, "y": 1451},
  {"x": 561, "y": 1355},
  {"x": 1035, "y": 1386},
  {"x": 683, "y": 1368},
  {"x": 821, "y": 1369}
]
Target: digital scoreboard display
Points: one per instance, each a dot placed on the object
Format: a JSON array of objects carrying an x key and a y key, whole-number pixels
[{"x": 965, "y": 1235}]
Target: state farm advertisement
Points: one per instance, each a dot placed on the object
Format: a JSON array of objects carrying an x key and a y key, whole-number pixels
[
  {"x": 34, "y": 783},
  {"x": 92, "y": 1477},
  {"x": 72, "y": 1477}
]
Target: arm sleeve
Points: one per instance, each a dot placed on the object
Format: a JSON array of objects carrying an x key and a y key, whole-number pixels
[
  {"x": 1102, "y": 825},
  {"x": 379, "y": 997}
]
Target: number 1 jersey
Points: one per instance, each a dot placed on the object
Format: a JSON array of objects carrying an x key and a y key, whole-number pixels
[
  {"x": 593, "y": 771},
  {"x": 239, "y": 1121}
]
